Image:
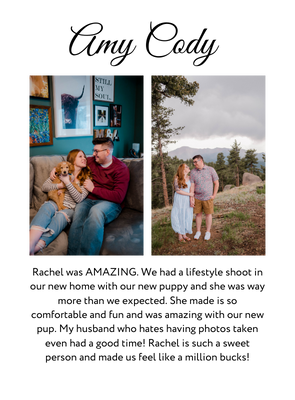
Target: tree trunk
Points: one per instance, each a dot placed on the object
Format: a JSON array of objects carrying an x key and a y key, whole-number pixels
[
  {"x": 237, "y": 177},
  {"x": 164, "y": 183}
]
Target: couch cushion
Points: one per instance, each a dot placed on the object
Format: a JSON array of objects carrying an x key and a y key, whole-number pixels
[
  {"x": 30, "y": 215},
  {"x": 134, "y": 196},
  {"x": 124, "y": 235},
  {"x": 30, "y": 182},
  {"x": 43, "y": 165}
]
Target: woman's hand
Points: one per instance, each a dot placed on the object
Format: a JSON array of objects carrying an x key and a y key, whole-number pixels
[{"x": 88, "y": 184}]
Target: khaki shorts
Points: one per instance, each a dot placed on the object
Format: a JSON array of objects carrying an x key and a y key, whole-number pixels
[{"x": 205, "y": 205}]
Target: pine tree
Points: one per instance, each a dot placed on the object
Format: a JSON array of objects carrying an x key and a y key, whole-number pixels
[
  {"x": 264, "y": 169},
  {"x": 159, "y": 134},
  {"x": 163, "y": 85},
  {"x": 170, "y": 85},
  {"x": 234, "y": 161},
  {"x": 220, "y": 168},
  {"x": 251, "y": 161}
]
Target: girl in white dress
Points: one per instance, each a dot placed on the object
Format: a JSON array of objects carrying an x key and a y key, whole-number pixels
[{"x": 182, "y": 212}]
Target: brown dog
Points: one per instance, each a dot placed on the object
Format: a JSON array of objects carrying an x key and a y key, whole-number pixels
[{"x": 63, "y": 168}]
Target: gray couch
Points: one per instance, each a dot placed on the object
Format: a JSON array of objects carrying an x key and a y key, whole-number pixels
[{"x": 123, "y": 236}]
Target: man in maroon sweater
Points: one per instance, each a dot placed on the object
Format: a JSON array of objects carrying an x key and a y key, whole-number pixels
[{"x": 107, "y": 191}]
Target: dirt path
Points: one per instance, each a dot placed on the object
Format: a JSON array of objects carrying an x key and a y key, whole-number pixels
[{"x": 238, "y": 227}]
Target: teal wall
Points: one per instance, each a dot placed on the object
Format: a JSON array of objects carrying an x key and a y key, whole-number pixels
[{"x": 129, "y": 94}]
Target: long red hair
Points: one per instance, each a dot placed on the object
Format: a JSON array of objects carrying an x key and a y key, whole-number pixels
[
  {"x": 179, "y": 176},
  {"x": 85, "y": 172}
]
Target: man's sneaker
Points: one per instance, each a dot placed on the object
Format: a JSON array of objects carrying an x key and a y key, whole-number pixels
[
  {"x": 207, "y": 236},
  {"x": 197, "y": 235}
]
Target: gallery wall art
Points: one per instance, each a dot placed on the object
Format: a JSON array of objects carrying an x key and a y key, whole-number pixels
[
  {"x": 72, "y": 106},
  {"x": 39, "y": 126}
]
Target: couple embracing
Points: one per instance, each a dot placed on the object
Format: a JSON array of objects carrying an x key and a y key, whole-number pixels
[
  {"x": 89, "y": 204},
  {"x": 193, "y": 194}
]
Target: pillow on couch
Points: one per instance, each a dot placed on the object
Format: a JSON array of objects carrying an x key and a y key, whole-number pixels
[
  {"x": 43, "y": 165},
  {"x": 136, "y": 193}
]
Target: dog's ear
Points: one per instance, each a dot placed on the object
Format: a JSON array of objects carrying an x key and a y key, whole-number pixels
[
  {"x": 71, "y": 168},
  {"x": 58, "y": 168}
]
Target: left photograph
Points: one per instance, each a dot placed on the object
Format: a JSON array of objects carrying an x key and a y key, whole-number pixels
[{"x": 86, "y": 165}]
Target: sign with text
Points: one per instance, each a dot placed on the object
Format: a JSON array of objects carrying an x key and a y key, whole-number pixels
[{"x": 104, "y": 87}]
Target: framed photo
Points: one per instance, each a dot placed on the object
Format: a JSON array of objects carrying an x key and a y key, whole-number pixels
[
  {"x": 116, "y": 115},
  {"x": 101, "y": 116},
  {"x": 39, "y": 87},
  {"x": 104, "y": 88},
  {"x": 72, "y": 106},
  {"x": 40, "y": 126}
]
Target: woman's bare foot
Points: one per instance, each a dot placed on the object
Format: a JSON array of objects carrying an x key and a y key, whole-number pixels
[
  {"x": 39, "y": 246},
  {"x": 181, "y": 238},
  {"x": 35, "y": 235},
  {"x": 30, "y": 252}
]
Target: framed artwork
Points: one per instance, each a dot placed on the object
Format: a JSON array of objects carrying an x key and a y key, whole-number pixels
[
  {"x": 40, "y": 126},
  {"x": 116, "y": 115},
  {"x": 101, "y": 116},
  {"x": 72, "y": 106},
  {"x": 39, "y": 87},
  {"x": 104, "y": 88}
]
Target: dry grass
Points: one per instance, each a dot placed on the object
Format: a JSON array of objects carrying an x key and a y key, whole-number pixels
[{"x": 240, "y": 194}]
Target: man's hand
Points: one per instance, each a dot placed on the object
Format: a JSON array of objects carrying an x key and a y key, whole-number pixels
[
  {"x": 216, "y": 186},
  {"x": 192, "y": 201},
  {"x": 88, "y": 184}
]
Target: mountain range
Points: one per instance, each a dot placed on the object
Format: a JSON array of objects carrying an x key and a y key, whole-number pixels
[{"x": 209, "y": 155}]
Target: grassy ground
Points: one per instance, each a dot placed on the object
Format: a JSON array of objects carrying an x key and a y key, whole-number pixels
[{"x": 238, "y": 226}]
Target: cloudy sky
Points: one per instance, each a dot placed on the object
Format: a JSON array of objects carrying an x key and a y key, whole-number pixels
[{"x": 226, "y": 108}]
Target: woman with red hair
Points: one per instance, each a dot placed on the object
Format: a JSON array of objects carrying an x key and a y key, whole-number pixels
[
  {"x": 182, "y": 212},
  {"x": 48, "y": 223}
]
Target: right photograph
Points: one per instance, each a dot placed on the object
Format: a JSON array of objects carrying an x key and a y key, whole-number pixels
[{"x": 208, "y": 165}]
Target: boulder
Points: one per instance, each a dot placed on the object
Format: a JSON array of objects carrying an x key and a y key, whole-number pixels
[
  {"x": 250, "y": 178},
  {"x": 227, "y": 187}
]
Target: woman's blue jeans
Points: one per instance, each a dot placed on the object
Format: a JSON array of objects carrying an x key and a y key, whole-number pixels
[
  {"x": 51, "y": 221},
  {"x": 87, "y": 229}
]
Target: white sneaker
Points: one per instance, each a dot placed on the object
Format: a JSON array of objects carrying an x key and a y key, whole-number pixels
[
  {"x": 197, "y": 235},
  {"x": 207, "y": 236}
]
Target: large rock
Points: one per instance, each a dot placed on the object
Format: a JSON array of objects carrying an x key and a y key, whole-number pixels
[
  {"x": 227, "y": 187},
  {"x": 250, "y": 178}
]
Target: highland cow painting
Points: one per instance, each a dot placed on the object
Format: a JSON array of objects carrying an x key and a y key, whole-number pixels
[{"x": 72, "y": 106}]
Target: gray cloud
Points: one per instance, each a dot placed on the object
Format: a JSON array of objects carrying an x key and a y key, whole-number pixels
[{"x": 225, "y": 106}]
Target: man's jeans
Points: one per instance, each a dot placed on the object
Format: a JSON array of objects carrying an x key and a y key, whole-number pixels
[{"x": 87, "y": 229}]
